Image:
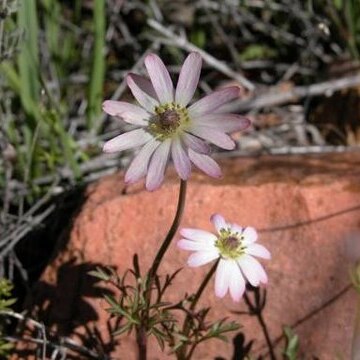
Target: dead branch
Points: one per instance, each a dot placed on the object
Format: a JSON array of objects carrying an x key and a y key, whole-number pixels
[
  {"x": 276, "y": 97},
  {"x": 183, "y": 43}
]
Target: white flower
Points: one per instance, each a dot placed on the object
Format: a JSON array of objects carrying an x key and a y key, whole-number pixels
[
  {"x": 236, "y": 247},
  {"x": 167, "y": 126}
]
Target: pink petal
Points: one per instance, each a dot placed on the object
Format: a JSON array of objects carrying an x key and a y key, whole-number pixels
[
  {"x": 210, "y": 103},
  {"x": 198, "y": 235},
  {"x": 236, "y": 228},
  {"x": 258, "y": 250},
  {"x": 188, "y": 79},
  {"x": 219, "y": 222},
  {"x": 223, "y": 122},
  {"x": 145, "y": 100},
  {"x": 195, "y": 245},
  {"x": 139, "y": 165},
  {"x": 250, "y": 235},
  {"x": 200, "y": 258},
  {"x": 127, "y": 141},
  {"x": 196, "y": 144},
  {"x": 160, "y": 78},
  {"x": 237, "y": 282},
  {"x": 206, "y": 164},
  {"x": 144, "y": 84},
  {"x": 130, "y": 113},
  {"x": 252, "y": 270},
  {"x": 216, "y": 137},
  {"x": 222, "y": 278},
  {"x": 181, "y": 160},
  {"x": 155, "y": 175}
]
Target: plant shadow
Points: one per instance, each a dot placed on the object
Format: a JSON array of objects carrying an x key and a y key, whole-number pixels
[
  {"x": 242, "y": 348},
  {"x": 68, "y": 311}
]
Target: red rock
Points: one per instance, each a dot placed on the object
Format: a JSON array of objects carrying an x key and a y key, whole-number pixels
[{"x": 304, "y": 207}]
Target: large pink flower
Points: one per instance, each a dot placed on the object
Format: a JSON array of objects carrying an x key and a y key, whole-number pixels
[
  {"x": 236, "y": 247},
  {"x": 167, "y": 125}
]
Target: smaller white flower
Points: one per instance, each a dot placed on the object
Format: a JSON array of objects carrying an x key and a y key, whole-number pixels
[{"x": 236, "y": 247}]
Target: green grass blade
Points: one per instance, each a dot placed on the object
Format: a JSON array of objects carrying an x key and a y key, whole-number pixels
[
  {"x": 29, "y": 55},
  {"x": 95, "y": 94}
]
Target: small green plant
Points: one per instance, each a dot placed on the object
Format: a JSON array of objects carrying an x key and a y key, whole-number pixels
[
  {"x": 5, "y": 303},
  {"x": 292, "y": 344}
]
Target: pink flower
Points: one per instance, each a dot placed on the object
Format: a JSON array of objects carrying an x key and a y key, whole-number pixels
[
  {"x": 236, "y": 247},
  {"x": 166, "y": 126}
]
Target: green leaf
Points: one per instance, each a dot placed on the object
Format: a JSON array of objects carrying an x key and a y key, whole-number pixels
[
  {"x": 160, "y": 337},
  {"x": 198, "y": 38},
  {"x": 257, "y": 51},
  {"x": 292, "y": 344},
  {"x": 100, "y": 274},
  {"x": 338, "y": 4},
  {"x": 127, "y": 327}
]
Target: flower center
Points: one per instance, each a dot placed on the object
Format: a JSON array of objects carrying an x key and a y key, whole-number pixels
[
  {"x": 168, "y": 120},
  {"x": 230, "y": 244}
]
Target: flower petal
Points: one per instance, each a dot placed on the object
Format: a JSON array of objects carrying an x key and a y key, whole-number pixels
[
  {"x": 145, "y": 100},
  {"x": 222, "y": 278},
  {"x": 190, "y": 245},
  {"x": 139, "y": 165},
  {"x": 196, "y": 144},
  {"x": 202, "y": 257},
  {"x": 181, "y": 160},
  {"x": 223, "y": 122},
  {"x": 127, "y": 141},
  {"x": 188, "y": 79},
  {"x": 236, "y": 228},
  {"x": 236, "y": 283},
  {"x": 132, "y": 114},
  {"x": 211, "y": 102},
  {"x": 250, "y": 235},
  {"x": 198, "y": 235},
  {"x": 216, "y": 137},
  {"x": 219, "y": 222},
  {"x": 206, "y": 164},
  {"x": 160, "y": 78},
  {"x": 144, "y": 84},
  {"x": 252, "y": 270},
  {"x": 157, "y": 166},
  {"x": 258, "y": 250}
]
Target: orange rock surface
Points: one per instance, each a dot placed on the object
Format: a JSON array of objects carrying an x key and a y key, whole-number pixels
[{"x": 303, "y": 207}]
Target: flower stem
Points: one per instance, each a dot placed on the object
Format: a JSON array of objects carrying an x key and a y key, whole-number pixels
[
  {"x": 142, "y": 344},
  {"x": 142, "y": 330},
  {"x": 355, "y": 347},
  {"x": 175, "y": 225},
  {"x": 264, "y": 328},
  {"x": 203, "y": 286},
  {"x": 181, "y": 354}
]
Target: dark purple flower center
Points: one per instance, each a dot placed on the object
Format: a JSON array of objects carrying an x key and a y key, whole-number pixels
[
  {"x": 232, "y": 243},
  {"x": 169, "y": 119}
]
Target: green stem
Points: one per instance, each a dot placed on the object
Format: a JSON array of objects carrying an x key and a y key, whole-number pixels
[
  {"x": 186, "y": 327},
  {"x": 175, "y": 225}
]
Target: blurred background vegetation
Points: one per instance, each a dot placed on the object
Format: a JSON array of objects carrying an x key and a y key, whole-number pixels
[{"x": 59, "y": 59}]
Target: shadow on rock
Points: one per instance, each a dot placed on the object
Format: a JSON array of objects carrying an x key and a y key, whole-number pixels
[
  {"x": 241, "y": 348},
  {"x": 65, "y": 307}
]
